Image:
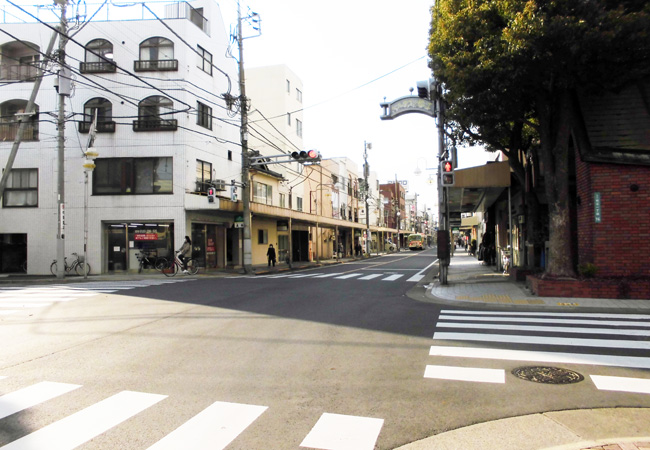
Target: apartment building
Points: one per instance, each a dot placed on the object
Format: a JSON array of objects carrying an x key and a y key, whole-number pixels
[{"x": 156, "y": 80}]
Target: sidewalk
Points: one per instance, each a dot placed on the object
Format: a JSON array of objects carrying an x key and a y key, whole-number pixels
[{"x": 472, "y": 285}]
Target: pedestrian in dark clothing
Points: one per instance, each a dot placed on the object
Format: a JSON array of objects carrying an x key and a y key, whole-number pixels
[{"x": 270, "y": 253}]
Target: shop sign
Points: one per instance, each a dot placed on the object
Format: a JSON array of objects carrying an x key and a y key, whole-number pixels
[
  {"x": 598, "y": 217},
  {"x": 283, "y": 225},
  {"x": 146, "y": 237}
]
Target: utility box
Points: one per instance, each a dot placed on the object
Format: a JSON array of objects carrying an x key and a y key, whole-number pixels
[{"x": 443, "y": 245}]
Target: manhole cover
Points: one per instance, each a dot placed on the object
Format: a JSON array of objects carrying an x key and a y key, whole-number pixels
[{"x": 548, "y": 375}]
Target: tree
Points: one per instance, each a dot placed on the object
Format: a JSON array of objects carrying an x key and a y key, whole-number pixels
[{"x": 511, "y": 69}]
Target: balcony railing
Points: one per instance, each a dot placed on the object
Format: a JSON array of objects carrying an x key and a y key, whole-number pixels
[
  {"x": 8, "y": 132},
  {"x": 158, "y": 65},
  {"x": 107, "y": 126},
  {"x": 97, "y": 67},
  {"x": 18, "y": 72},
  {"x": 155, "y": 125}
]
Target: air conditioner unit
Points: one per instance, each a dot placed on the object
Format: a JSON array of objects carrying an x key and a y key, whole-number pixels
[{"x": 219, "y": 185}]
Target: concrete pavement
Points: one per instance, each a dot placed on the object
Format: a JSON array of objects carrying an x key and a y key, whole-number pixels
[{"x": 472, "y": 284}]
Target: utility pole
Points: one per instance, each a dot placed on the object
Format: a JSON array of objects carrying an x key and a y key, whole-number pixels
[
  {"x": 63, "y": 92},
  {"x": 443, "y": 207},
  {"x": 366, "y": 172},
  {"x": 245, "y": 164}
]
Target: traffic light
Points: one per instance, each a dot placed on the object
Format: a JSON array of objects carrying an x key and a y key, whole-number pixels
[
  {"x": 211, "y": 192},
  {"x": 447, "y": 173},
  {"x": 309, "y": 156}
]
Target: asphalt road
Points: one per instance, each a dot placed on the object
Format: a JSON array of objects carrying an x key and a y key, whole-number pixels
[{"x": 280, "y": 362}]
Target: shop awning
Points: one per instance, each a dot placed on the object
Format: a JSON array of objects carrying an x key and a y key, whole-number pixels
[{"x": 477, "y": 188}]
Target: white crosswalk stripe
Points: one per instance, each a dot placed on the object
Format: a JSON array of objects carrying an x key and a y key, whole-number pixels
[
  {"x": 385, "y": 276},
  {"x": 621, "y": 340},
  {"x": 213, "y": 428},
  {"x": 14, "y": 299}
]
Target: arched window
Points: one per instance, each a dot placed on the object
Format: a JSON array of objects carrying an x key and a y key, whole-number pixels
[
  {"x": 98, "y": 58},
  {"x": 19, "y": 61},
  {"x": 9, "y": 121},
  {"x": 155, "y": 113},
  {"x": 104, "y": 110},
  {"x": 156, "y": 54}
]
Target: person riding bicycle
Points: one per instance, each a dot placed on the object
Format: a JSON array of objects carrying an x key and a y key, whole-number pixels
[{"x": 185, "y": 252}]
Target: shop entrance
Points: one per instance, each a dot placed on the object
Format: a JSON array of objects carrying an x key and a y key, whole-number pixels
[
  {"x": 13, "y": 253},
  {"x": 207, "y": 245},
  {"x": 125, "y": 241}
]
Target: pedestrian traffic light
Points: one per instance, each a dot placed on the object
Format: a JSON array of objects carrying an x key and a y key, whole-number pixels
[
  {"x": 447, "y": 173},
  {"x": 306, "y": 156},
  {"x": 211, "y": 192}
]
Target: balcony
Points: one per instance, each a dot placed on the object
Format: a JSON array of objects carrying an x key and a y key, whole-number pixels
[
  {"x": 155, "y": 125},
  {"x": 8, "y": 132},
  {"x": 160, "y": 65},
  {"x": 107, "y": 126},
  {"x": 18, "y": 72},
  {"x": 97, "y": 67}
]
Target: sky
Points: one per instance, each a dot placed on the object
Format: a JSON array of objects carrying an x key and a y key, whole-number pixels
[{"x": 350, "y": 56}]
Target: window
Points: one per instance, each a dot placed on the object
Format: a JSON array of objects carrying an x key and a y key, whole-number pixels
[
  {"x": 289, "y": 119},
  {"x": 229, "y": 155},
  {"x": 204, "y": 116},
  {"x": 205, "y": 60},
  {"x": 156, "y": 54},
  {"x": 104, "y": 110},
  {"x": 203, "y": 175},
  {"x": 299, "y": 203},
  {"x": 288, "y": 86},
  {"x": 20, "y": 61},
  {"x": 262, "y": 193},
  {"x": 9, "y": 123},
  {"x": 283, "y": 200},
  {"x": 299, "y": 95},
  {"x": 131, "y": 176},
  {"x": 21, "y": 189},
  {"x": 155, "y": 114},
  {"x": 262, "y": 236},
  {"x": 98, "y": 57},
  {"x": 299, "y": 128}
]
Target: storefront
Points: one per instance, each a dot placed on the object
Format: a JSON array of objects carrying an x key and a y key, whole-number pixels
[
  {"x": 123, "y": 242},
  {"x": 208, "y": 244}
]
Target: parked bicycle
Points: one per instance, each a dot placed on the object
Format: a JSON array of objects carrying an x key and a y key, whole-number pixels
[
  {"x": 78, "y": 265},
  {"x": 172, "y": 268},
  {"x": 147, "y": 261}
]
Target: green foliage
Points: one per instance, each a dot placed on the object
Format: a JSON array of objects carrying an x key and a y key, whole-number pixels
[{"x": 587, "y": 270}]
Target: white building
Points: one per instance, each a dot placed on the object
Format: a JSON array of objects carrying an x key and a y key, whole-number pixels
[{"x": 161, "y": 86}]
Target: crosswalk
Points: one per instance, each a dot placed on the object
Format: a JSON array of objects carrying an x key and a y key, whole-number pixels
[
  {"x": 15, "y": 299},
  {"x": 589, "y": 339},
  {"x": 213, "y": 428},
  {"x": 360, "y": 276}
]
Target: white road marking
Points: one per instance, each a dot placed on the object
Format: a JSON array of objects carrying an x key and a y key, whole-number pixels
[
  {"x": 339, "y": 432},
  {"x": 80, "y": 427},
  {"x": 327, "y": 275},
  {"x": 546, "y": 320},
  {"x": 305, "y": 275},
  {"x": 350, "y": 275},
  {"x": 370, "y": 277},
  {"x": 550, "y": 314},
  {"x": 622, "y": 384},
  {"x": 393, "y": 277},
  {"x": 550, "y": 328},
  {"x": 465, "y": 374},
  {"x": 547, "y": 357},
  {"x": 212, "y": 429},
  {"x": 543, "y": 340},
  {"x": 415, "y": 278},
  {"x": 32, "y": 395}
]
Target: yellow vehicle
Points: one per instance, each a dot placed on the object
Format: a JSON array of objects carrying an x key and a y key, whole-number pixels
[{"x": 415, "y": 241}]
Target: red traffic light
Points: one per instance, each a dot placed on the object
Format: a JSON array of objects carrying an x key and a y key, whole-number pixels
[
  {"x": 312, "y": 154},
  {"x": 447, "y": 167},
  {"x": 308, "y": 156},
  {"x": 211, "y": 192}
]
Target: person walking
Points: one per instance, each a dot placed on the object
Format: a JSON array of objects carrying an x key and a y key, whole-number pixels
[
  {"x": 270, "y": 253},
  {"x": 185, "y": 252}
]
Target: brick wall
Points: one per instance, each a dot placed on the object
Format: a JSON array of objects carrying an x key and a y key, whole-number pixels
[
  {"x": 617, "y": 288},
  {"x": 620, "y": 244}
]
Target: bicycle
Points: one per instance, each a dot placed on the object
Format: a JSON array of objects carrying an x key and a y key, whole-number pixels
[
  {"x": 158, "y": 263},
  {"x": 172, "y": 268},
  {"x": 78, "y": 265}
]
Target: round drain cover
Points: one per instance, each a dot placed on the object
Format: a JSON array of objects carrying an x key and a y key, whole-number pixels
[{"x": 548, "y": 375}]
